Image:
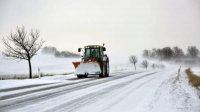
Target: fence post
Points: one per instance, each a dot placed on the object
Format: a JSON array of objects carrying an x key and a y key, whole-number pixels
[{"x": 38, "y": 72}]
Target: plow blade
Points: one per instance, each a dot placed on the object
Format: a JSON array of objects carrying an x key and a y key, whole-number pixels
[{"x": 87, "y": 68}]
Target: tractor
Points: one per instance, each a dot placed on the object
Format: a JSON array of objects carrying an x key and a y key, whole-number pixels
[{"x": 93, "y": 62}]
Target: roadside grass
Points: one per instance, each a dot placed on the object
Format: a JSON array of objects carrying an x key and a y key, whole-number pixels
[
  {"x": 26, "y": 76},
  {"x": 16, "y": 76},
  {"x": 194, "y": 80}
]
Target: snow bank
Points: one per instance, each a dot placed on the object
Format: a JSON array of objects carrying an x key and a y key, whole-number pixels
[
  {"x": 196, "y": 70},
  {"x": 176, "y": 95},
  {"x": 5, "y": 84}
]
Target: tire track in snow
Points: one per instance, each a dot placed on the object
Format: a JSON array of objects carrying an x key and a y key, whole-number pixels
[
  {"x": 36, "y": 85},
  {"x": 32, "y": 98},
  {"x": 57, "y": 85},
  {"x": 92, "y": 97},
  {"x": 5, "y": 97},
  {"x": 22, "y": 87},
  {"x": 133, "y": 89}
]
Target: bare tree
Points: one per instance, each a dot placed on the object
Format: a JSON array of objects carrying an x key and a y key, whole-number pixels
[
  {"x": 21, "y": 46},
  {"x": 154, "y": 66},
  {"x": 133, "y": 60},
  {"x": 167, "y": 53},
  {"x": 153, "y": 53},
  {"x": 193, "y": 51},
  {"x": 146, "y": 53},
  {"x": 178, "y": 52},
  {"x": 145, "y": 64}
]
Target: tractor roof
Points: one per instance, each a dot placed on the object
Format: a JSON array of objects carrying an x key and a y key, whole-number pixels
[{"x": 94, "y": 46}]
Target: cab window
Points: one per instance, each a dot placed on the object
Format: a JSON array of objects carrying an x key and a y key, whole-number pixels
[{"x": 92, "y": 53}]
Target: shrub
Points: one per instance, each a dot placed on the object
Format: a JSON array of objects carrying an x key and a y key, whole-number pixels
[{"x": 145, "y": 64}]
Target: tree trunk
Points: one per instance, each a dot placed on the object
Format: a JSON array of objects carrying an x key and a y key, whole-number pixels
[
  {"x": 30, "y": 68},
  {"x": 135, "y": 67}
]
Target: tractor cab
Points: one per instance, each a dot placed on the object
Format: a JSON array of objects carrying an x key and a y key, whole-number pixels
[{"x": 93, "y": 53}]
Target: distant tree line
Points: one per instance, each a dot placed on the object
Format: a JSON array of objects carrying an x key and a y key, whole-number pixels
[
  {"x": 145, "y": 63},
  {"x": 56, "y": 53},
  {"x": 167, "y": 53}
]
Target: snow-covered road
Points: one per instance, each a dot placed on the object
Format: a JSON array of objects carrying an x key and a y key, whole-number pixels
[{"x": 152, "y": 91}]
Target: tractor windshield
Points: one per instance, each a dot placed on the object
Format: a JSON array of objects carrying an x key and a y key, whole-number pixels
[{"x": 93, "y": 53}]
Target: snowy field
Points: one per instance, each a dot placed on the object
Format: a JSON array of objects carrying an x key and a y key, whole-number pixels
[{"x": 48, "y": 64}]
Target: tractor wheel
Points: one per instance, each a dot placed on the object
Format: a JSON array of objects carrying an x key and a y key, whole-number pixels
[
  {"x": 107, "y": 69},
  {"x": 79, "y": 76},
  {"x": 85, "y": 76},
  {"x": 103, "y": 71},
  {"x": 101, "y": 74}
]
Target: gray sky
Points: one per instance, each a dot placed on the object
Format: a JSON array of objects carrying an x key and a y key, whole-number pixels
[{"x": 126, "y": 26}]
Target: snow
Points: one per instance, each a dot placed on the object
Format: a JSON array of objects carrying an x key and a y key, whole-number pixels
[
  {"x": 89, "y": 68},
  {"x": 149, "y": 91},
  {"x": 5, "y": 84},
  {"x": 156, "y": 90},
  {"x": 154, "y": 94},
  {"x": 176, "y": 95},
  {"x": 59, "y": 100},
  {"x": 196, "y": 70}
]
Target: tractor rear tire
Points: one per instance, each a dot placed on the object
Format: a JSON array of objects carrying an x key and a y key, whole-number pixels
[
  {"x": 104, "y": 70},
  {"x": 79, "y": 76},
  {"x": 107, "y": 69},
  {"x": 102, "y": 74},
  {"x": 85, "y": 76}
]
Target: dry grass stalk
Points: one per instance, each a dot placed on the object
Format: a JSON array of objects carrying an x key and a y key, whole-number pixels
[{"x": 193, "y": 79}]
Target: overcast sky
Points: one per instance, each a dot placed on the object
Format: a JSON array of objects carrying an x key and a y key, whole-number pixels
[{"x": 125, "y": 26}]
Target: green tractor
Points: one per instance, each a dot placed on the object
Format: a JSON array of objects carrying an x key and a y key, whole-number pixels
[{"x": 93, "y": 62}]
